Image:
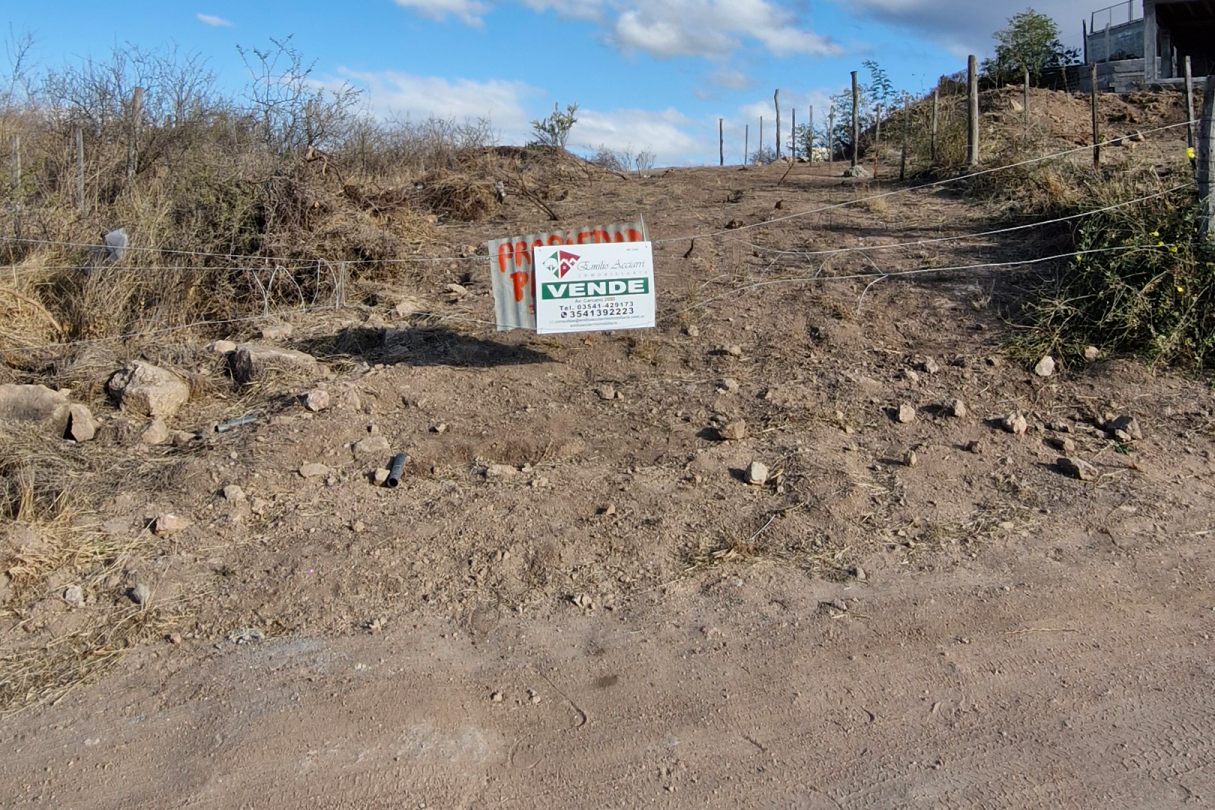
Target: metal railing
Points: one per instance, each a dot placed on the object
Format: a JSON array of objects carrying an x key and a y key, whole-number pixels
[{"x": 1115, "y": 15}]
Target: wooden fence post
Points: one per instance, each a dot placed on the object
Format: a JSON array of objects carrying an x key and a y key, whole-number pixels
[
  {"x": 1025, "y": 104},
  {"x": 136, "y": 113},
  {"x": 810, "y": 136},
  {"x": 936, "y": 104},
  {"x": 80, "y": 170},
  {"x": 17, "y": 186},
  {"x": 776, "y": 103},
  {"x": 759, "y": 153},
  {"x": 1206, "y": 162},
  {"x": 831, "y": 137},
  {"x": 906, "y": 133},
  {"x": 877, "y": 137},
  {"x": 721, "y": 142},
  {"x": 793, "y": 133},
  {"x": 972, "y": 111},
  {"x": 1096, "y": 121},
  {"x": 747, "y": 145},
  {"x": 856, "y": 121},
  {"x": 1189, "y": 104}
]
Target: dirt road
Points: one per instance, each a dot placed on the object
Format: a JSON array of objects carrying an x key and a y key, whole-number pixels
[{"x": 1066, "y": 672}]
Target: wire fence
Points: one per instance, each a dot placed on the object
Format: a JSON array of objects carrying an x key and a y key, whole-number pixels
[{"x": 321, "y": 284}]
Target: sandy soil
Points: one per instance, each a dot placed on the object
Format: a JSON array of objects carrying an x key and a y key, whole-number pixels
[{"x": 612, "y": 616}]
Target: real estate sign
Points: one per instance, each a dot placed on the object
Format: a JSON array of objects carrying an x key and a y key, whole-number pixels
[
  {"x": 588, "y": 288},
  {"x": 513, "y": 274}
]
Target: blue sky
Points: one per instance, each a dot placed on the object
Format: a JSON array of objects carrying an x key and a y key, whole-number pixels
[{"x": 652, "y": 75}]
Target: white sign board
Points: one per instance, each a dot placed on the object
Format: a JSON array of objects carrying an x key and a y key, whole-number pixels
[{"x": 590, "y": 288}]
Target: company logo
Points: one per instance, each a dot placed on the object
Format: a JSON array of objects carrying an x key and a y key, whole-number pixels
[{"x": 562, "y": 262}]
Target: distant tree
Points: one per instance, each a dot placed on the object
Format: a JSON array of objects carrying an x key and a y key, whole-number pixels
[
  {"x": 555, "y": 130},
  {"x": 1031, "y": 40}
]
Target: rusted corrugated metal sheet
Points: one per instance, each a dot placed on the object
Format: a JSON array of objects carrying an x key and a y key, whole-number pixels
[{"x": 514, "y": 281}]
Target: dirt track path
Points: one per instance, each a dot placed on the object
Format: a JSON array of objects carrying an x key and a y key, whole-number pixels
[{"x": 1076, "y": 678}]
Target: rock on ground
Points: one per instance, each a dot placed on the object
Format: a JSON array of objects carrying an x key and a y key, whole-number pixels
[
  {"x": 905, "y": 414},
  {"x": 148, "y": 390},
  {"x": 251, "y": 362},
  {"x": 314, "y": 470},
  {"x": 1015, "y": 423},
  {"x": 757, "y": 474},
  {"x": 169, "y": 524},
  {"x": 1045, "y": 367},
  {"x": 1124, "y": 428},
  {"x": 956, "y": 407},
  {"x": 370, "y": 445},
  {"x": 35, "y": 406},
  {"x": 156, "y": 433},
  {"x": 733, "y": 432},
  {"x": 82, "y": 427},
  {"x": 1077, "y": 468},
  {"x": 277, "y": 331},
  {"x": 316, "y": 400}
]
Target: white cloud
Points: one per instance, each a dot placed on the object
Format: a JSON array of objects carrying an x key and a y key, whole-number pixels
[
  {"x": 213, "y": 21},
  {"x": 661, "y": 132},
  {"x": 968, "y": 27},
  {"x": 666, "y": 28},
  {"x": 710, "y": 28},
  {"x": 392, "y": 94},
  {"x": 469, "y": 11}
]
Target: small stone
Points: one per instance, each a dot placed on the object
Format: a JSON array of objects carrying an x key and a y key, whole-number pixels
[
  {"x": 929, "y": 366},
  {"x": 608, "y": 511},
  {"x": 141, "y": 594},
  {"x": 911, "y": 375},
  {"x": 734, "y": 350},
  {"x": 532, "y": 696},
  {"x": 1060, "y": 427},
  {"x": 156, "y": 433},
  {"x": 1063, "y": 444},
  {"x": 1015, "y": 423},
  {"x": 148, "y": 390},
  {"x": 757, "y": 473},
  {"x": 956, "y": 408},
  {"x": 730, "y": 385},
  {"x": 1045, "y": 367},
  {"x": 223, "y": 347},
  {"x": 316, "y": 400},
  {"x": 501, "y": 471},
  {"x": 692, "y": 331},
  {"x": 174, "y": 639},
  {"x": 860, "y": 574},
  {"x": 497, "y": 697},
  {"x": 1076, "y": 468},
  {"x": 259, "y": 506},
  {"x": 1092, "y": 353},
  {"x": 457, "y": 289},
  {"x": 906, "y": 414},
  {"x": 407, "y": 307},
  {"x": 358, "y": 527},
  {"x": 380, "y": 476},
  {"x": 233, "y": 493},
  {"x": 370, "y": 446},
  {"x": 733, "y": 432},
  {"x": 181, "y": 438},
  {"x": 277, "y": 331},
  {"x": 911, "y": 459},
  {"x": 975, "y": 446},
  {"x": 1124, "y": 428},
  {"x": 82, "y": 427},
  {"x": 606, "y": 392},
  {"x": 440, "y": 428},
  {"x": 169, "y": 524},
  {"x": 74, "y": 596},
  {"x": 314, "y": 470}
]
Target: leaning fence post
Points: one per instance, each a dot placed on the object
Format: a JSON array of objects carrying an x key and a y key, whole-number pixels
[
  {"x": 1189, "y": 104},
  {"x": 972, "y": 111},
  {"x": 936, "y": 104},
  {"x": 747, "y": 145},
  {"x": 776, "y": 102},
  {"x": 1206, "y": 162},
  {"x": 1096, "y": 121},
  {"x": 877, "y": 137},
  {"x": 856, "y": 121},
  {"x": 721, "y": 141},
  {"x": 906, "y": 132},
  {"x": 80, "y": 170}
]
